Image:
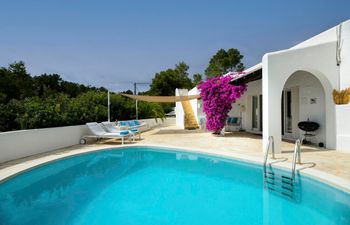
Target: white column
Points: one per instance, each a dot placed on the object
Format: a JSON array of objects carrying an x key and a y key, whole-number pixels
[
  {"x": 345, "y": 56},
  {"x": 271, "y": 106}
]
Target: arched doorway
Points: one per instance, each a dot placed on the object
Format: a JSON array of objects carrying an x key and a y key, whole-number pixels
[{"x": 303, "y": 98}]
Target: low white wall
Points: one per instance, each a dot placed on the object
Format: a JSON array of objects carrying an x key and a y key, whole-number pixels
[
  {"x": 343, "y": 128},
  {"x": 151, "y": 123},
  {"x": 23, "y": 143},
  {"x": 179, "y": 112}
]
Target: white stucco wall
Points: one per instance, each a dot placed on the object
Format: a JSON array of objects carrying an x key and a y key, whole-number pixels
[
  {"x": 253, "y": 89},
  {"x": 345, "y": 56},
  {"x": 23, "y": 143},
  {"x": 279, "y": 66},
  {"x": 318, "y": 56},
  {"x": 179, "y": 112},
  {"x": 321, "y": 38},
  {"x": 343, "y": 111},
  {"x": 343, "y": 127}
]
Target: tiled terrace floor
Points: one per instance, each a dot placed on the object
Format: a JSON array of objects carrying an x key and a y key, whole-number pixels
[{"x": 329, "y": 161}]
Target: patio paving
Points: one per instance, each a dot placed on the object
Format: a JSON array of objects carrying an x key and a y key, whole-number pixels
[
  {"x": 325, "y": 164},
  {"x": 329, "y": 161}
]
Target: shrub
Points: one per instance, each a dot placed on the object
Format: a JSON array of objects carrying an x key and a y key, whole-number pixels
[{"x": 218, "y": 95}]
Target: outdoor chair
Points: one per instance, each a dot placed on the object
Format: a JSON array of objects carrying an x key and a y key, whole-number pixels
[{"x": 233, "y": 124}]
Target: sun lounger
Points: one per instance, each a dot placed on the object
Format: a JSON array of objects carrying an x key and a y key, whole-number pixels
[
  {"x": 110, "y": 127},
  {"x": 99, "y": 133},
  {"x": 133, "y": 126},
  {"x": 139, "y": 124}
]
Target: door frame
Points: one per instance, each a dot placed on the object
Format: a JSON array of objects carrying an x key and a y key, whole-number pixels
[{"x": 259, "y": 113}]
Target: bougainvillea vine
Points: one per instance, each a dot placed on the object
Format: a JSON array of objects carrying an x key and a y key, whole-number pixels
[{"x": 218, "y": 95}]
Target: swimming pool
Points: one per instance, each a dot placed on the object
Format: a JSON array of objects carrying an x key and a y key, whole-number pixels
[{"x": 147, "y": 185}]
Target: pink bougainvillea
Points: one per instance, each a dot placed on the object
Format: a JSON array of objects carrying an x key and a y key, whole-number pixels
[{"x": 218, "y": 95}]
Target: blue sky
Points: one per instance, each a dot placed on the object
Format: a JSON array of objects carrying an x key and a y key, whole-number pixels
[{"x": 116, "y": 43}]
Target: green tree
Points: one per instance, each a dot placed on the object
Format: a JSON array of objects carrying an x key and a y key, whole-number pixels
[
  {"x": 9, "y": 113},
  {"x": 47, "y": 100},
  {"x": 46, "y": 85},
  {"x": 197, "y": 78},
  {"x": 182, "y": 69},
  {"x": 165, "y": 82},
  {"x": 223, "y": 62},
  {"x": 15, "y": 82}
]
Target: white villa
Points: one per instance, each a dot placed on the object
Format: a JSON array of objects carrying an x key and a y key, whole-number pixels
[{"x": 294, "y": 85}]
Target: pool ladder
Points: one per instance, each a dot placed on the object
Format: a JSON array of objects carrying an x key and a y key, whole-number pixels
[{"x": 281, "y": 183}]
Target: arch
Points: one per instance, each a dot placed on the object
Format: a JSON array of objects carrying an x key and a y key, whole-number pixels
[
  {"x": 279, "y": 66},
  {"x": 302, "y": 87},
  {"x": 275, "y": 126},
  {"x": 318, "y": 74}
]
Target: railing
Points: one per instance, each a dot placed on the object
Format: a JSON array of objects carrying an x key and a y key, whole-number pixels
[
  {"x": 278, "y": 182},
  {"x": 272, "y": 144},
  {"x": 296, "y": 156}
]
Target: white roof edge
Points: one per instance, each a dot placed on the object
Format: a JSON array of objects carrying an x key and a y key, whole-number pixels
[
  {"x": 303, "y": 44},
  {"x": 253, "y": 69},
  {"x": 321, "y": 37}
]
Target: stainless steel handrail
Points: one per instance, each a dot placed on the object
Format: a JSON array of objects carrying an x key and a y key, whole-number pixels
[
  {"x": 272, "y": 144},
  {"x": 296, "y": 156}
]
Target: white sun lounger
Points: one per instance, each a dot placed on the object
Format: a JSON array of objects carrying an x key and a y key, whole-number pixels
[
  {"x": 110, "y": 127},
  {"x": 99, "y": 133}
]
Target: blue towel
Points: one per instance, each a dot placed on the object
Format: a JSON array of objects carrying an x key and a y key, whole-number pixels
[
  {"x": 131, "y": 123},
  {"x": 134, "y": 130},
  {"x": 124, "y": 132},
  {"x": 137, "y": 122},
  {"x": 122, "y": 123}
]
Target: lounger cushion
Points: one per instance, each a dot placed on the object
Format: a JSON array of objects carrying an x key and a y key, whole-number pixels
[
  {"x": 122, "y": 123},
  {"x": 124, "y": 132},
  {"x": 234, "y": 119},
  {"x": 131, "y": 123},
  {"x": 134, "y": 130},
  {"x": 137, "y": 123}
]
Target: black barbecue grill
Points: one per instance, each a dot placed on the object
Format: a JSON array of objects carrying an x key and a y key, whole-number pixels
[{"x": 309, "y": 128}]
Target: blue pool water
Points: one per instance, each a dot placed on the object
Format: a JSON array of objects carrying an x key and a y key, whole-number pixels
[{"x": 150, "y": 186}]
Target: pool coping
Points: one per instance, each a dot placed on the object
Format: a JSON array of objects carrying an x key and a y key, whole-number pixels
[{"x": 12, "y": 170}]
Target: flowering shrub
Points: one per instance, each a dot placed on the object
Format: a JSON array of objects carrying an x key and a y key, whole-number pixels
[{"x": 218, "y": 95}]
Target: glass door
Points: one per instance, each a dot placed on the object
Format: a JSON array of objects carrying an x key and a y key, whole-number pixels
[
  {"x": 288, "y": 119},
  {"x": 255, "y": 112}
]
